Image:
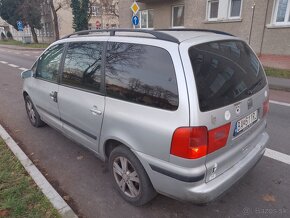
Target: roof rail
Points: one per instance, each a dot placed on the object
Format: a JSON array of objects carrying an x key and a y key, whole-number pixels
[
  {"x": 156, "y": 34},
  {"x": 200, "y": 30}
]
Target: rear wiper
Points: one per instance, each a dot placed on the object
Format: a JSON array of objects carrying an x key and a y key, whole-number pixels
[{"x": 254, "y": 87}]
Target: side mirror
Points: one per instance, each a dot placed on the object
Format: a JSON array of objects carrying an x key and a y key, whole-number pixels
[{"x": 26, "y": 74}]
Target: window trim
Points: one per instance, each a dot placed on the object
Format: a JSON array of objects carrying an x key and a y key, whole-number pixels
[
  {"x": 172, "y": 15},
  {"x": 230, "y": 8},
  {"x": 275, "y": 14},
  {"x": 208, "y": 10}
]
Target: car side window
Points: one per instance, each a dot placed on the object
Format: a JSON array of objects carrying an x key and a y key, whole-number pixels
[
  {"x": 48, "y": 63},
  {"x": 82, "y": 66},
  {"x": 141, "y": 74}
]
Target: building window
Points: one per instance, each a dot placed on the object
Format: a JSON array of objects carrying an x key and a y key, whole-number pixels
[
  {"x": 282, "y": 12},
  {"x": 213, "y": 7},
  {"x": 235, "y": 8},
  {"x": 112, "y": 9},
  {"x": 223, "y": 9},
  {"x": 145, "y": 19},
  {"x": 178, "y": 16},
  {"x": 95, "y": 11}
]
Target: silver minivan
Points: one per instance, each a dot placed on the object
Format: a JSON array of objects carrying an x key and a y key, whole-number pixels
[{"x": 180, "y": 112}]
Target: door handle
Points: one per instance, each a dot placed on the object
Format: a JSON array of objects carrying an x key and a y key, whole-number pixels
[
  {"x": 53, "y": 96},
  {"x": 96, "y": 111}
]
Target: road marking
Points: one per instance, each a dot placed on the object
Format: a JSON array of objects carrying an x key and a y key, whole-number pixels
[
  {"x": 13, "y": 65},
  {"x": 36, "y": 56},
  {"x": 17, "y": 53},
  {"x": 60, "y": 205},
  {"x": 24, "y": 69},
  {"x": 280, "y": 103},
  {"x": 3, "y": 62},
  {"x": 28, "y": 55},
  {"x": 277, "y": 156}
]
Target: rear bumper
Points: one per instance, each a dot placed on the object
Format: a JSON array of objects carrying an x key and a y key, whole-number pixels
[{"x": 200, "y": 191}]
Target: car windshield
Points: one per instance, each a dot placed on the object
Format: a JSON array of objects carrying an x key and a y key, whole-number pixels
[{"x": 225, "y": 72}]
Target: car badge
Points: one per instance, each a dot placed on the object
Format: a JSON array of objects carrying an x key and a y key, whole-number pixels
[{"x": 227, "y": 115}]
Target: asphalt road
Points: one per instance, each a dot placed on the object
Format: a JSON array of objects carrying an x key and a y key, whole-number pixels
[{"x": 84, "y": 180}]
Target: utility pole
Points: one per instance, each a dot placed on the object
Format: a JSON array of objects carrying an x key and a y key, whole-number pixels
[{"x": 252, "y": 21}]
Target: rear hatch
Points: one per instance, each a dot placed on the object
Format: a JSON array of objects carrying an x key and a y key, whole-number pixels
[{"x": 232, "y": 93}]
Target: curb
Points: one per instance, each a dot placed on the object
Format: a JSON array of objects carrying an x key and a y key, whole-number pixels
[{"x": 56, "y": 200}]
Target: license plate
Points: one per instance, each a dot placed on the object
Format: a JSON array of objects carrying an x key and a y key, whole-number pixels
[{"x": 246, "y": 122}]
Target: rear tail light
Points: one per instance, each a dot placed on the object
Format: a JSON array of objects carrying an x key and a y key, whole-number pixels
[
  {"x": 190, "y": 143},
  {"x": 217, "y": 138},
  {"x": 197, "y": 142},
  {"x": 266, "y": 107}
]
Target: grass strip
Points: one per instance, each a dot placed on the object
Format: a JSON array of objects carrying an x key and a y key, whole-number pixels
[
  {"x": 18, "y": 43},
  {"x": 277, "y": 73},
  {"x": 19, "y": 195}
]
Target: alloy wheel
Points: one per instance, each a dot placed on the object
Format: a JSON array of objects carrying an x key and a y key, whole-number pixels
[
  {"x": 126, "y": 177},
  {"x": 30, "y": 111}
]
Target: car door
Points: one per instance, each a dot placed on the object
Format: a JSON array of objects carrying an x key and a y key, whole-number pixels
[
  {"x": 81, "y": 100},
  {"x": 44, "y": 89}
]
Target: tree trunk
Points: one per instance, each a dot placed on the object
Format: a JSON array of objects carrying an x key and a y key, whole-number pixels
[
  {"x": 34, "y": 36},
  {"x": 55, "y": 20}
]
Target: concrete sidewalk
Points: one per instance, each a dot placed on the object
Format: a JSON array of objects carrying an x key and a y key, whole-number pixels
[{"x": 279, "y": 83}]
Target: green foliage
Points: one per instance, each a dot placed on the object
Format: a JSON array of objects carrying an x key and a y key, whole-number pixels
[
  {"x": 9, "y": 35},
  {"x": 21, "y": 44},
  {"x": 80, "y": 10},
  {"x": 3, "y": 36},
  {"x": 277, "y": 72},
  {"x": 27, "y": 11},
  {"x": 9, "y": 11}
]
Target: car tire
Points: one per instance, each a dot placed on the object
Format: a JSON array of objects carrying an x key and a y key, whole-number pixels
[
  {"x": 129, "y": 177},
  {"x": 32, "y": 113}
]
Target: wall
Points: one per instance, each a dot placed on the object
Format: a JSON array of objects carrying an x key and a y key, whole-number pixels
[
  {"x": 276, "y": 40},
  {"x": 263, "y": 38},
  {"x": 65, "y": 20}
]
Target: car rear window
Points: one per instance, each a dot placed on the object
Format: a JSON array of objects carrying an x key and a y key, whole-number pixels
[{"x": 225, "y": 72}]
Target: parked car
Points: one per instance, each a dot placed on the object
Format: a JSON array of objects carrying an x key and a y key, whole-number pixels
[{"x": 176, "y": 112}]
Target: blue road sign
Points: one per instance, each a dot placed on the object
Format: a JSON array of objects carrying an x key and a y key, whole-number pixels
[
  {"x": 19, "y": 25},
  {"x": 135, "y": 20}
]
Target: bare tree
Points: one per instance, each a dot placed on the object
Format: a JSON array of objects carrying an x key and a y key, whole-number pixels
[
  {"x": 110, "y": 7},
  {"x": 55, "y": 6}
]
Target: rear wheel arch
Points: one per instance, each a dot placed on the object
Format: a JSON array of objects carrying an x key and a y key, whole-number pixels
[
  {"x": 25, "y": 94},
  {"x": 110, "y": 145}
]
